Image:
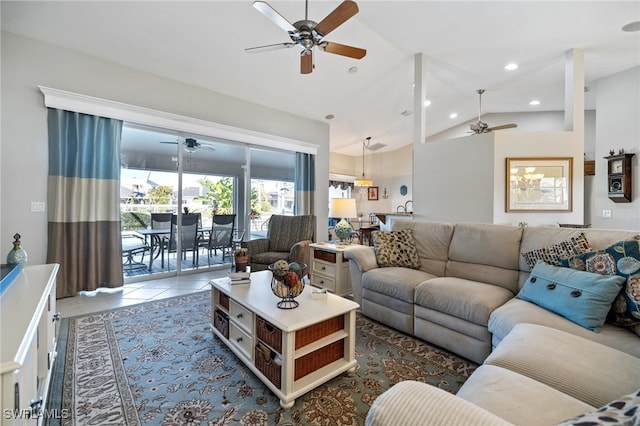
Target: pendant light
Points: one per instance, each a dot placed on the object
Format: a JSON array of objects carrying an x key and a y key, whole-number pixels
[{"x": 363, "y": 183}]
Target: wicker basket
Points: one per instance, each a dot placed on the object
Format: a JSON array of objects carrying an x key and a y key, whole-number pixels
[
  {"x": 221, "y": 322},
  {"x": 267, "y": 365},
  {"x": 224, "y": 300},
  {"x": 269, "y": 334},
  {"x": 318, "y": 331},
  {"x": 318, "y": 359}
]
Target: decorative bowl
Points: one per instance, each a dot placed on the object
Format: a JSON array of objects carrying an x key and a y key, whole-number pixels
[{"x": 287, "y": 283}]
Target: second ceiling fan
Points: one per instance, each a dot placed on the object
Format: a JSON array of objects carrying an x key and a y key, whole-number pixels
[
  {"x": 482, "y": 127},
  {"x": 308, "y": 34}
]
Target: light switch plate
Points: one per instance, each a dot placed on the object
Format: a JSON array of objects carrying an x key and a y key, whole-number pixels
[{"x": 37, "y": 206}]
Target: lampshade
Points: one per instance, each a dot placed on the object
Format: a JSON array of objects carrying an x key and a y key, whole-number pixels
[
  {"x": 343, "y": 208},
  {"x": 363, "y": 182}
]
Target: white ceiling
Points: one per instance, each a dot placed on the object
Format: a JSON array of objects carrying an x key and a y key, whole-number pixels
[{"x": 466, "y": 44}]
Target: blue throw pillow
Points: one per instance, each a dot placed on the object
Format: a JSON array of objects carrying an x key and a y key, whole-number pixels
[
  {"x": 621, "y": 258},
  {"x": 582, "y": 297}
]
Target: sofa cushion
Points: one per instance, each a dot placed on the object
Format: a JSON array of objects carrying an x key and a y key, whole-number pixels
[
  {"x": 468, "y": 300},
  {"x": 432, "y": 241},
  {"x": 552, "y": 254},
  {"x": 621, "y": 258},
  {"x": 395, "y": 282},
  {"x": 621, "y": 412},
  {"x": 396, "y": 248},
  {"x": 586, "y": 370},
  {"x": 582, "y": 297},
  {"x": 519, "y": 399},
  {"x": 517, "y": 311},
  {"x": 485, "y": 253}
]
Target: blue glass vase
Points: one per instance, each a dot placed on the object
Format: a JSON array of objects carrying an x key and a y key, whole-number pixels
[{"x": 17, "y": 255}]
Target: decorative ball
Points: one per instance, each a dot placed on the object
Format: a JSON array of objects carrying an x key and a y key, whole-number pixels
[
  {"x": 295, "y": 267},
  {"x": 280, "y": 268},
  {"x": 291, "y": 279}
]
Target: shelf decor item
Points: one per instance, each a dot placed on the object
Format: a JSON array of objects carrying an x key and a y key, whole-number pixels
[
  {"x": 17, "y": 255},
  {"x": 287, "y": 283},
  {"x": 241, "y": 259}
]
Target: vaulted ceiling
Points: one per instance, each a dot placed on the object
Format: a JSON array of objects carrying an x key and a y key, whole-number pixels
[{"x": 466, "y": 45}]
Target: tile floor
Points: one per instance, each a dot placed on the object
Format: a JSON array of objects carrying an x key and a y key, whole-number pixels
[{"x": 130, "y": 294}]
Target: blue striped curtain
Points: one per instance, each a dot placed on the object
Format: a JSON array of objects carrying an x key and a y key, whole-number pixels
[
  {"x": 305, "y": 181},
  {"x": 83, "y": 196}
]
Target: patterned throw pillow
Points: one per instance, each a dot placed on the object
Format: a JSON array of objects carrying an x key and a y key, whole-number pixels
[
  {"x": 554, "y": 253},
  {"x": 621, "y": 258},
  {"x": 621, "y": 412},
  {"x": 396, "y": 248}
]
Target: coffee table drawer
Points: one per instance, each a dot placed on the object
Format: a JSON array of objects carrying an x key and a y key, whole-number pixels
[
  {"x": 240, "y": 340},
  {"x": 241, "y": 315}
]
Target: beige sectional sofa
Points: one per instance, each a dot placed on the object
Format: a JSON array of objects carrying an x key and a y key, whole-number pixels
[
  {"x": 537, "y": 366},
  {"x": 462, "y": 297}
]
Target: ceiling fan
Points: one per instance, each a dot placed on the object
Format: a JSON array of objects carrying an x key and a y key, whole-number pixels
[
  {"x": 191, "y": 145},
  {"x": 482, "y": 127},
  {"x": 308, "y": 34}
]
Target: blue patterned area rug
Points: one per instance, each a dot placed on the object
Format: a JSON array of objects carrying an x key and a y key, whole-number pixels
[{"x": 158, "y": 363}]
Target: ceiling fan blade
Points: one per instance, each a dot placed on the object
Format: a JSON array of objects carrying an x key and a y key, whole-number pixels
[
  {"x": 274, "y": 16},
  {"x": 269, "y": 47},
  {"x": 340, "y": 15},
  {"x": 306, "y": 62},
  {"x": 344, "y": 50},
  {"x": 503, "y": 126}
]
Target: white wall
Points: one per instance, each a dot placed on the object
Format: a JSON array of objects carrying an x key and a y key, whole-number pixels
[
  {"x": 454, "y": 179},
  {"x": 27, "y": 63},
  {"x": 617, "y": 126}
]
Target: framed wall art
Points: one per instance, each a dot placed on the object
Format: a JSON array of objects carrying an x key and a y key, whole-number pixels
[
  {"x": 372, "y": 193},
  {"x": 539, "y": 184}
]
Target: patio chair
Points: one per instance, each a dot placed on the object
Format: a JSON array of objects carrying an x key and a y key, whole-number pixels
[
  {"x": 288, "y": 238},
  {"x": 161, "y": 221},
  {"x": 133, "y": 245},
  {"x": 220, "y": 236},
  {"x": 189, "y": 239}
]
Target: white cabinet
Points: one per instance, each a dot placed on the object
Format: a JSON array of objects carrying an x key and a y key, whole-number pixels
[
  {"x": 28, "y": 331},
  {"x": 329, "y": 269}
]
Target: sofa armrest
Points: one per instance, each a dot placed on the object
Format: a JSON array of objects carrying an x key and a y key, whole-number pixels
[
  {"x": 416, "y": 403},
  {"x": 361, "y": 260},
  {"x": 260, "y": 245},
  {"x": 300, "y": 253}
]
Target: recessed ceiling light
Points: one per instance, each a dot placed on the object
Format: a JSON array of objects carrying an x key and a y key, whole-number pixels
[
  {"x": 632, "y": 27},
  {"x": 406, "y": 113},
  {"x": 453, "y": 115},
  {"x": 427, "y": 103},
  {"x": 510, "y": 67},
  {"x": 329, "y": 117},
  {"x": 353, "y": 70},
  {"x": 534, "y": 102}
]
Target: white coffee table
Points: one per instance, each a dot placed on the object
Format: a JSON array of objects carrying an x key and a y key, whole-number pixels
[{"x": 306, "y": 346}]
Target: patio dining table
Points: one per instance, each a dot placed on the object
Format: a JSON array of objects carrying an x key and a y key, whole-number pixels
[{"x": 155, "y": 239}]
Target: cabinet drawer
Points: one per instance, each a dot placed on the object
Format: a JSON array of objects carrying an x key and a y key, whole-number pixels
[
  {"x": 241, "y": 340},
  {"x": 323, "y": 282},
  {"x": 323, "y": 268},
  {"x": 327, "y": 256},
  {"x": 241, "y": 316}
]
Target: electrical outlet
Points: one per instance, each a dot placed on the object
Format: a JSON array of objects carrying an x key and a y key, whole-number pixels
[
  {"x": 37, "y": 206},
  {"x": 606, "y": 214}
]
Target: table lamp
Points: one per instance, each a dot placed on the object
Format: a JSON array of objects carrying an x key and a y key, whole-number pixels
[{"x": 344, "y": 208}]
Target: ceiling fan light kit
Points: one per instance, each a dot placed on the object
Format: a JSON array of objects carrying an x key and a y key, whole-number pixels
[
  {"x": 363, "y": 183},
  {"x": 308, "y": 34}
]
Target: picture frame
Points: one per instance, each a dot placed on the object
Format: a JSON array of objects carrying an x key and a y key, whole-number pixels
[
  {"x": 372, "y": 193},
  {"x": 539, "y": 184}
]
